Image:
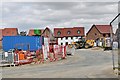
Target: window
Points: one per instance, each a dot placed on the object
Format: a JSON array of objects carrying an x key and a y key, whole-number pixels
[
  {"x": 95, "y": 34},
  {"x": 61, "y": 43},
  {"x": 104, "y": 35},
  {"x": 71, "y": 37},
  {"x": 12, "y": 32},
  {"x": 58, "y": 32},
  {"x": 69, "y": 32},
  {"x": 61, "y": 38},
  {"x": 78, "y": 32}
]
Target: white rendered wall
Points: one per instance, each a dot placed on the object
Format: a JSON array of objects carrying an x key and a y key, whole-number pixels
[{"x": 69, "y": 40}]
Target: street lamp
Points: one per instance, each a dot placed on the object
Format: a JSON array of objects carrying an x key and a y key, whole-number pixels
[
  {"x": 118, "y": 36},
  {"x": 118, "y": 48}
]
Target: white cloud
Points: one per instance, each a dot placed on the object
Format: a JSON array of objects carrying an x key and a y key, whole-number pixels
[
  {"x": 60, "y": 0},
  {"x": 56, "y": 14}
]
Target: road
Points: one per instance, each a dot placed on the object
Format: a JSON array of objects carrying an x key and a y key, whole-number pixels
[{"x": 86, "y": 63}]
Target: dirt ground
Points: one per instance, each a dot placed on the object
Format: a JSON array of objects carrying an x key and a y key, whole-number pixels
[{"x": 86, "y": 63}]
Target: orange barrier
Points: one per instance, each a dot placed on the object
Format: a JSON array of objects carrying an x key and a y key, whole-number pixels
[{"x": 21, "y": 56}]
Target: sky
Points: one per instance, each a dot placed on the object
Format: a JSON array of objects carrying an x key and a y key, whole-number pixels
[{"x": 34, "y": 14}]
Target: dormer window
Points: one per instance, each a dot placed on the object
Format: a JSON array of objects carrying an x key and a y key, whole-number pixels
[
  {"x": 69, "y": 32},
  {"x": 59, "y": 33},
  {"x": 78, "y": 32}
]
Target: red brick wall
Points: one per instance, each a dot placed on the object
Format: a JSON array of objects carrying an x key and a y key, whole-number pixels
[
  {"x": 93, "y": 34},
  {"x": 10, "y": 32},
  {"x": 31, "y": 32},
  {"x": 82, "y": 33},
  {"x": 73, "y": 31},
  {"x": 56, "y": 32},
  {"x": 66, "y": 32},
  {"x": 0, "y": 44},
  {"x": 0, "y": 34}
]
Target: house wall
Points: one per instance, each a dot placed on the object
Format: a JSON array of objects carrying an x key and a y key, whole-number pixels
[
  {"x": 73, "y": 32},
  {"x": 56, "y": 32},
  {"x": 0, "y": 44},
  {"x": 93, "y": 34},
  {"x": 64, "y": 37},
  {"x": 0, "y": 38},
  {"x": 31, "y": 32},
  {"x": 10, "y": 32},
  {"x": 0, "y": 34}
]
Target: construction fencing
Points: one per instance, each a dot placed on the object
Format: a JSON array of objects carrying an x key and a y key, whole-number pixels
[
  {"x": 47, "y": 53},
  {"x": 56, "y": 52}
]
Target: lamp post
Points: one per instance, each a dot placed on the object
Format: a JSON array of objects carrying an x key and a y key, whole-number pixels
[
  {"x": 119, "y": 40},
  {"x": 119, "y": 48},
  {"x": 118, "y": 36}
]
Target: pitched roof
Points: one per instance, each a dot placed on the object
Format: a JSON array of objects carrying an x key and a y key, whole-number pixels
[
  {"x": 73, "y": 31},
  {"x": 49, "y": 34},
  {"x": 104, "y": 28}
]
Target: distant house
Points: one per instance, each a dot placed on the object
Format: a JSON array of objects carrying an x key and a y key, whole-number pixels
[
  {"x": 1, "y": 38},
  {"x": 99, "y": 33},
  {"x": 47, "y": 33},
  {"x": 66, "y": 36},
  {"x": 31, "y": 32},
  {"x": 7, "y": 32},
  {"x": 10, "y": 32}
]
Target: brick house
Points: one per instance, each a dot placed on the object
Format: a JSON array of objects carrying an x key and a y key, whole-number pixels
[
  {"x": 47, "y": 33},
  {"x": 10, "y": 32},
  {"x": 7, "y": 32},
  {"x": 99, "y": 32},
  {"x": 0, "y": 38},
  {"x": 66, "y": 36},
  {"x": 31, "y": 32}
]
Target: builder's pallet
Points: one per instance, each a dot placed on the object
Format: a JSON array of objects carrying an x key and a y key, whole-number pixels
[{"x": 7, "y": 65}]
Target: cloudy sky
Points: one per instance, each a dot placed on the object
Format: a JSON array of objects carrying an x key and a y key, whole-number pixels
[{"x": 28, "y": 15}]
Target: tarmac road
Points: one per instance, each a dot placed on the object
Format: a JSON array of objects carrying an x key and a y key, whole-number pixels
[{"x": 86, "y": 63}]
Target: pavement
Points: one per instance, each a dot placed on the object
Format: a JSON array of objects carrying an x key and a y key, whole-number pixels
[{"x": 86, "y": 63}]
